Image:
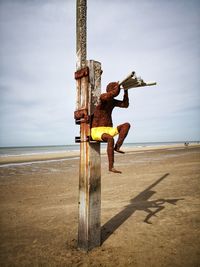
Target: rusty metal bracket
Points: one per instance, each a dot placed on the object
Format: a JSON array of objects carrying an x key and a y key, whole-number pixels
[
  {"x": 88, "y": 139},
  {"x": 78, "y": 122},
  {"x": 81, "y": 116},
  {"x": 81, "y": 73},
  {"x": 78, "y": 139}
]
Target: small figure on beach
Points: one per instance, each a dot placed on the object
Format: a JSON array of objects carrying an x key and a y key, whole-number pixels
[
  {"x": 186, "y": 144},
  {"x": 102, "y": 125}
]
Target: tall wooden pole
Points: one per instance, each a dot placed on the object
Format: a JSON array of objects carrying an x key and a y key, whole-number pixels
[
  {"x": 81, "y": 33},
  {"x": 88, "y": 76}
]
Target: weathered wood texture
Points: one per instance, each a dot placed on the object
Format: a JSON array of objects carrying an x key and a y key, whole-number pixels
[
  {"x": 94, "y": 161},
  {"x": 88, "y": 91},
  {"x": 89, "y": 229},
  {"x": 95, "y": 84},
  {"x": 81, "y": 33}
]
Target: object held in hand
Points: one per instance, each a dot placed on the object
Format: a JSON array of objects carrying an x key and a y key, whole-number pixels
[{"x": 132, "y": 81}]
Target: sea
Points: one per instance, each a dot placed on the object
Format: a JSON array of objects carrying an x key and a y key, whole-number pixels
[{"x": 36, "y": 150}]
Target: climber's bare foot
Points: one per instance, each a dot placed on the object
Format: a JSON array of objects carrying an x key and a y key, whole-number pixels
[
  {"x": 114, "y": 170},
  {"x": 119, "y": 151}
]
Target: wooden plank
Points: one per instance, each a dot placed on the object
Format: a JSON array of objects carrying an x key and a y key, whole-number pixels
[
  {"x": 88, "y": 91},
  {"x": 94, "y": 85},
  {"x": 94, "y": 161},
  {"x": 82, "y": 103},
  {"x": 89, "y": 229},
  {"x": 81, "y": 33}
]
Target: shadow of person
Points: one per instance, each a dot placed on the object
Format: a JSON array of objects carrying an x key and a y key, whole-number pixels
[{"x": 140, "y": 202}]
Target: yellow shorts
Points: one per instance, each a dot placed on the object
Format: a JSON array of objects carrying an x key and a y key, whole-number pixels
[{"x": 97, "y": 132}]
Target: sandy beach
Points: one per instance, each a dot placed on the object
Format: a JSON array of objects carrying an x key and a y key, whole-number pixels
[{"x": 150, "y": 212}]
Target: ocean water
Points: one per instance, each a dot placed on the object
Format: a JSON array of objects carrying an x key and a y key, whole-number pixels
[{"x": 35, "y": 150}]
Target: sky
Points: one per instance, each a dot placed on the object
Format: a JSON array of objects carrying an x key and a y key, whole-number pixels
[{"x": 157, "y": 39}]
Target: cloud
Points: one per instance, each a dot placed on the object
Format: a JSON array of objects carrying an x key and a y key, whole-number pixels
[{"x": 157, "y": 39}]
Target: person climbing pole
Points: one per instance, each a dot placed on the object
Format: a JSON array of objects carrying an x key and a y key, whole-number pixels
[{"x": 102, "y": 125}]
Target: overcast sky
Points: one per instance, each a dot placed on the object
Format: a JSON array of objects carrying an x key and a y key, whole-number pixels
[{"x": 156, "y": 38}]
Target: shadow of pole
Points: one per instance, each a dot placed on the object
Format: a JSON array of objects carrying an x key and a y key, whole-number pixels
[{"x": 140, "y": 202}]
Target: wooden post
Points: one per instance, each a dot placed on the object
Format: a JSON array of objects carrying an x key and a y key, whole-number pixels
[{"x": 88, "y": 91}]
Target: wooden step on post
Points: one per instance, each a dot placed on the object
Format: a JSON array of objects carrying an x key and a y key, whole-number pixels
[{"x": 89, "y": 226}]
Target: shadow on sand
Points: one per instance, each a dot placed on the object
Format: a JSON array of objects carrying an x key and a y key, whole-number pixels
[{"x": 140, "y": 202}]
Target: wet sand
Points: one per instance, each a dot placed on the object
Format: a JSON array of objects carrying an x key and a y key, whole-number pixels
[{"x": 150, "y": 212}]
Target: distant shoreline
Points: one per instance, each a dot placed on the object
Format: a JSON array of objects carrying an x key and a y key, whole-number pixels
[{"x": 67, "y": 155}]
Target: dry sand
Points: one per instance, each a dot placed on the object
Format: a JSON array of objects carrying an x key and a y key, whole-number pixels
[{"x": 150, "y": 212}]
